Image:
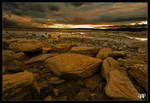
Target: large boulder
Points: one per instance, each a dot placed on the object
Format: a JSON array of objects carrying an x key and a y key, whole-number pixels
[
  {"x": 62, "y": 48},
  {"x": 109, "y": 64},
  {"x": 119, "y": 86},
  {"x": 73, "y": 66},
  {"x": 28, "y": 46},
  {"x": 20, "y": 86},
  {"x": 89, "y": 51},
  {"x": 40, "y": 58},
  {"x": 104, "y": 53},
  {"x": 140, "y": 76}
]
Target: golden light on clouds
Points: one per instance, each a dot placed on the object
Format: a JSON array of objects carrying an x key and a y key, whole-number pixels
[
  {"x": 17, "y": 18},
  {"x": 71, "y": 26},
  {"x": 140, "y": 23}
]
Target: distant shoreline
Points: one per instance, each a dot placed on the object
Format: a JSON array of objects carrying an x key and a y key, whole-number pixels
[{"x": 55, "y": 29}]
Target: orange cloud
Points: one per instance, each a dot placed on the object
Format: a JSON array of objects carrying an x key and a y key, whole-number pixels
[{"x": 17, "y": 18}]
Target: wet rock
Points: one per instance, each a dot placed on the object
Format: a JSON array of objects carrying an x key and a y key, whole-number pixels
[
  {"x": 55, "y": 80},
  {"x": 40, "y": 58},
  {"x": 89, "y": 51},
  {"x": 119, "y": 86},
  {"x": 20, "y": 86},
  {"x": 140, "y": 75},
  {"x": 73, "y": 66},
  {"x": 62, "y": 48},
  {"x": 109, "y": 64},
  {"x": 104, "y": 53}
]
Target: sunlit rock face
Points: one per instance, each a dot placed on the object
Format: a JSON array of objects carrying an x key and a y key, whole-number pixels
[
  {"x": 20, "y": 86},
  {"x": 28, "y": 46},
  {"x": 89, "y": 51},
  {"x": 120, "y": 87},
  {"x": 73, "y": 65},
  {"x": 104, "y": 53}
]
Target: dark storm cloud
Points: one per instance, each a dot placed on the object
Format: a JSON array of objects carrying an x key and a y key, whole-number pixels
[
  {"x": 53, "y": 8},
  {"x": 73, "y": 12},
  {"x": 77, "y": 4},
  {"x": 9, "y": 23}
]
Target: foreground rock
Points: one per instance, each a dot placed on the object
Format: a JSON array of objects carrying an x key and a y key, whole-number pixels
[
  {"x": 140, "y": 75},
  {"x": 104, "y": 53},
  {"x": 120, "y": 87},
  {"x": 20, "y": 86},
  {"x": 15, "y": 66},
  {"x": 40, "y": 58},
  {"x": 109, "y": 64},
  {"x": 19, "y": 56},
  {"x": 7, "y": 56},
  {"x": 73, "y": 66},
  {"x": 119, "y": 54},
  {"x": 89, "y": 51},
  {"x": 55, "y": 80},
  {"x": 28, "y": 46},
  {"x": 93, "y": 82},
  {"x": 62, "y": 48}
]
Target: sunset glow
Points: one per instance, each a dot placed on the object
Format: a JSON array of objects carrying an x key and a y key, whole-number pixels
[{"x": 72, "y": 26}]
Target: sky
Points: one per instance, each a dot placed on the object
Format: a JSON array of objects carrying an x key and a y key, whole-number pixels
[{"x": 72, "y": 14}]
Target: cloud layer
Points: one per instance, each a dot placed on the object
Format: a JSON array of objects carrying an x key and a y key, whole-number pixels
[{"x": 35, "y": 14}]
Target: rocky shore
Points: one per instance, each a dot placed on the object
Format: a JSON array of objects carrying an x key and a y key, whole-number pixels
[{"x": 34, "y": 69}]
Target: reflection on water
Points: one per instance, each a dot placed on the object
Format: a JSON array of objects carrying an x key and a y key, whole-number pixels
[{"x": 140, "y": 39}]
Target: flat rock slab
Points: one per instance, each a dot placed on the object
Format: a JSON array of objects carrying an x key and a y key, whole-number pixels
[
  {"x": 109, "y": 64},
  {"x": 69, "y": 65},
  {"x": 119, "y": 54},
  {"x": 104, "y": 53},
  {"x": 140, "y": 75},
  {"x": 62, "y": 48},
  {"x": 89, "y": 51},
  {"x": 7, "y": 56},
  {"x": 120, "y": 87},
  {"x": 20, "y": 86},
  {"x": 28, "y": 46},
  {"x": 41, "y": 57}
]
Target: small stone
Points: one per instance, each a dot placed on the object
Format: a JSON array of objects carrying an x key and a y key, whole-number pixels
[
  {"x": 56, "y": 91},
  {"x": 55, "y": 80},
  {"x": 46, "y": 50},
  {"x": 48, "y": 98}
]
